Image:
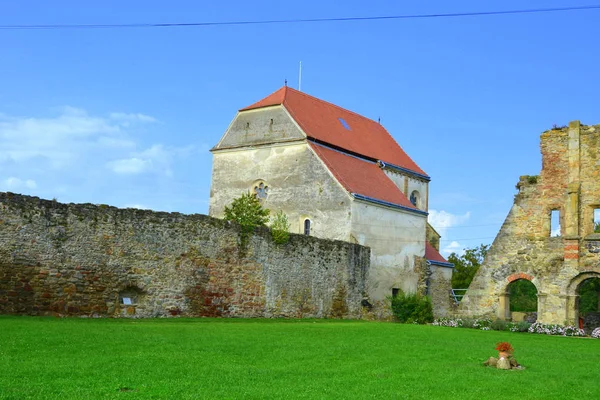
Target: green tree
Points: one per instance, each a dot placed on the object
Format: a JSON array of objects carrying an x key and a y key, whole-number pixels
[
  {"x": 247, "y": 211},
  {"x": 280, "y": 228},
  {"x": 466, "y": 265}
]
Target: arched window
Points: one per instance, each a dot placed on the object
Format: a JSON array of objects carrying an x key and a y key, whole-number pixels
[
  {"x": 307, "y": 226},
  {"x": 414, "y": 198}
]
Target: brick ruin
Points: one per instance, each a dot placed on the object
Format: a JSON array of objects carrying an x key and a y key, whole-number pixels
[{"x": 556, "y": 259}]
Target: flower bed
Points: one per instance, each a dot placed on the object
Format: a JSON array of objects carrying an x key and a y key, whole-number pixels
[{"x": 487, "y": 324}]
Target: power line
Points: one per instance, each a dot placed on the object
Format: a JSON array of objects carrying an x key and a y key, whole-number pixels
[{"x": 290, "y": 21}]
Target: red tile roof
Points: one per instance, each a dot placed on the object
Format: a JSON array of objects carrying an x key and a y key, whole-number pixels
[
  {"x": 431, "y": 254},
  {"x": 361, "y": 177},
  {"x": 321, "y": 120}
]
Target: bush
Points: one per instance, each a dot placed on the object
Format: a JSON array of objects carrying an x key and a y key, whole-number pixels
[
  {"x": 412, "y": 308},
  {"x": 499, "y": 325},
  {"x": 468, "y": 322},
  {"x": 523, "y": 326},
  {"x": 247, "y": 211},
  {"x": 280, "y": 228}
]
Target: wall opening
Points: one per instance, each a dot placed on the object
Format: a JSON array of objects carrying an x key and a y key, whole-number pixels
[
  {"x": 588, "y": 306},
  {"x": 130, "y": 299},
  {"x": 415, "y": 198},
  {"x": 395, "y": 292},
  {"x": 596, "y": 220},
  {"x": 261, "y": 190},
  {"x": 555, "y": 223},
  {"x": 307, "y": 227},
  {"x": 523, "y": 300}
]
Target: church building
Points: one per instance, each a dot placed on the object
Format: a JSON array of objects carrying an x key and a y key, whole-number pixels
[{"x": 336, "y": 175}]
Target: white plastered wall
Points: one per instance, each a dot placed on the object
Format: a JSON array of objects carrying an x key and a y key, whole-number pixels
[{"x": 395, "y": 238}]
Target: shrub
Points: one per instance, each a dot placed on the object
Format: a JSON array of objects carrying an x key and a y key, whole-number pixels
[
  {"x": 412, "y": 308},
  {"x": 596, "y": 333},
  {"x": 483, "y": 323},
  {"x": 523, "y": 326},
  {"x": 468, "y": 322},
  {"x": 499, "y": 325},
  {"x": 247, "y": 211},
  {"x": 280, "y": 228}
]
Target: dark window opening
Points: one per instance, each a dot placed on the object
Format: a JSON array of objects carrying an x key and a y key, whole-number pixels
[
  {"x": 414, "y": 198},
  {"x": 555, "y": 223},
  {"x": 307, "y": 227},
  {"x": 395, "y": 292}
]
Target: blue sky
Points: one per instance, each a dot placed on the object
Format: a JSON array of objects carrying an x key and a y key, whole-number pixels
[{"x": 126, "y": 116}]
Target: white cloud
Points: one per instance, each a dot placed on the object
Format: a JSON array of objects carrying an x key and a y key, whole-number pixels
[
  {"x": 132, "y": 117},
  {"x": 129, "y": 166},
  {"x": 13, "y": 183},
  {"x": 442, "y": 220},
  {"x": 453, "y": 247},
  {"x": 62, "y": 140},
  {"x": 155, "y": 159}
]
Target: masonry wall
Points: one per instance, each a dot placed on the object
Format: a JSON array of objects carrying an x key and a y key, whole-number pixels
[
  {"x": 524, "y": 249},
  {"x": 79, "y": 259}
]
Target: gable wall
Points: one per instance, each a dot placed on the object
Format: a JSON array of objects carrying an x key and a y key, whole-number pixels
[
  {"x": 299, "y": 184},
  {"x": 265, "y": 125}
]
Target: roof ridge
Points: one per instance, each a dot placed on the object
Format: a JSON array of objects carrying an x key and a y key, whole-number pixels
[{"x": 331, "y": 104}]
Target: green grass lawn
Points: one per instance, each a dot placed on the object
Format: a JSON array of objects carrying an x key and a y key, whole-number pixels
[{"x": 47, "y": 358}]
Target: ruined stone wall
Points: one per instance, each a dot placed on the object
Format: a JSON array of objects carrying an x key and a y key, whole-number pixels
[
  {"x": 524, "y": 248},
  {"x": 81, "y": 259}
]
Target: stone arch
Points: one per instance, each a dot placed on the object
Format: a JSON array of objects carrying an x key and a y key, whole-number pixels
[
  {"x": 504, "y": 297},
  {"x": 572, "y": 294}
]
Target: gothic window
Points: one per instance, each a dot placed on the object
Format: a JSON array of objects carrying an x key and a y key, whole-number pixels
[
  {"x": 261, "y": 191},
  {"x": 596, "y": 220},
  {"x": 414, "y": 198},
  {"x": 307, "y": 226}
]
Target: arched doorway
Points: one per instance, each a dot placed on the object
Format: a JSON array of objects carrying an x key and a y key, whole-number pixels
[
  {"x": 587, "y": 303},
  {"x": 522, "y": 300},
  {"x": 574, "y": 289}
]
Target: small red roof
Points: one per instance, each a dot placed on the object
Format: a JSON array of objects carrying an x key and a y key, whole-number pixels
[
  {"x": 361, "y": 177},
  {"x": 339, "y": 127},
  {"x": 432, "y": 254}
]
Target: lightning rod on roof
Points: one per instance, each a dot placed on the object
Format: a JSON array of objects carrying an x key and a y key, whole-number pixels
[{"x": 300, "y": 78}]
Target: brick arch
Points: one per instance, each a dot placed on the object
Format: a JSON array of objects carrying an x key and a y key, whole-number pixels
[{"x": 520, "y": 275}]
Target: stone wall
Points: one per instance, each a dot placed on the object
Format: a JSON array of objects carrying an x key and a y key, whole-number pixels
[
  {"x": 84, "y": 259},
  {"x": 524, "y": 248}
]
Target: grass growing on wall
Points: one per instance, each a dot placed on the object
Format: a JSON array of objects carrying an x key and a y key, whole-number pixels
[{"x": 46, "y": 358}]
